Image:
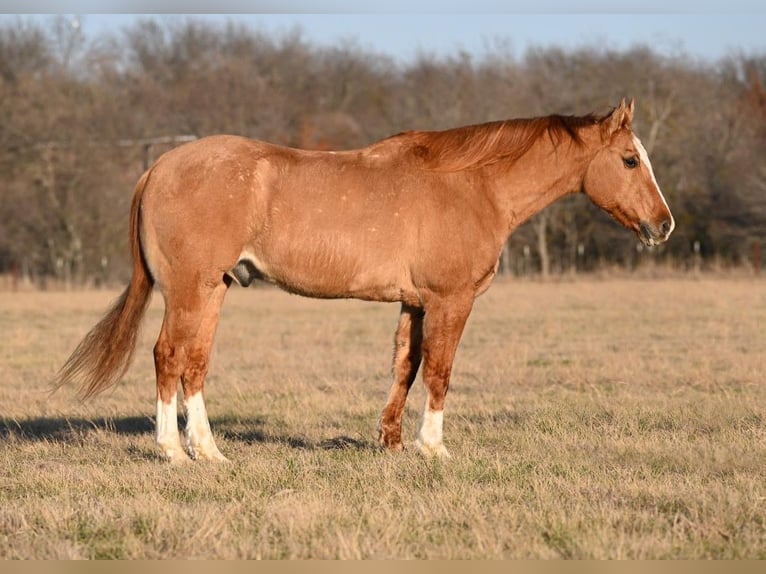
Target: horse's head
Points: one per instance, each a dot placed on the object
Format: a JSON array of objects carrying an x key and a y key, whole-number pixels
[{"x": 620, "y": 180}]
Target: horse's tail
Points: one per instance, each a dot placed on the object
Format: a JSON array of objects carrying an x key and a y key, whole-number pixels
[{"x": 103, "y": 356}]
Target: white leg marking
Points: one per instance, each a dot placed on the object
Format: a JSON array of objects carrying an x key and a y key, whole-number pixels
[
  {"x": 199, "y": 439},
  {"x": 645, "y": 160},
  {"x": 167, "y": 436},
  {"x": 429, "y": 439}
]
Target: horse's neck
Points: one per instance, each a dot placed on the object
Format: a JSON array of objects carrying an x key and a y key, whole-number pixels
[{"x": 538, "y": 179}]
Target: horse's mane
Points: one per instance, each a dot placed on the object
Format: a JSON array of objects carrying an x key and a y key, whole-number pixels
[{"x": 484, "y": 144}]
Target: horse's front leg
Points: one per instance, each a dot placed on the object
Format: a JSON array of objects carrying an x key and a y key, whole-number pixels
[
  {"x": 445, "y": 319},
  {"x": 407, "y": 355}
]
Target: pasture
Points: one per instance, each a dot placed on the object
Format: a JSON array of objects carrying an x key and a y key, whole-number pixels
[{"x": 597, "y": 418}]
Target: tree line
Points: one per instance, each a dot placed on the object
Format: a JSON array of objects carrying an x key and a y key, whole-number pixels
[{"x": 83, "y": 117}]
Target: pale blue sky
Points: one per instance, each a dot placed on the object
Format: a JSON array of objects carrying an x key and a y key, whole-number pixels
[{"x": 708, "y": 36}]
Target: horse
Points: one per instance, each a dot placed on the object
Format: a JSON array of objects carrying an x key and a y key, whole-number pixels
[{"x": 419, "y": 219}]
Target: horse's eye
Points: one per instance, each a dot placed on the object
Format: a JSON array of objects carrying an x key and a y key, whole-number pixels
[{"x": 630, "y": 162}]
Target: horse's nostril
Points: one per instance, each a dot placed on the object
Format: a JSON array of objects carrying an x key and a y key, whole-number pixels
[{"x": 665, "y": 227}]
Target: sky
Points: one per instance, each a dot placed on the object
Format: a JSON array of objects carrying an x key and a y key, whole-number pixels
[{"x": 709, "y": 33}]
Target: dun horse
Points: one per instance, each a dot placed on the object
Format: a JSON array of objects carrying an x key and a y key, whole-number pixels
[{"x": 419, "y": 218}]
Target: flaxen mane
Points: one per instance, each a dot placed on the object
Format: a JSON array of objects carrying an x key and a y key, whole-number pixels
[{"x": 479, "y": 145}]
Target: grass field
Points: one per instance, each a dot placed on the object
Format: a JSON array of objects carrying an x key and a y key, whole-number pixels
[{"x": 589, "y": 419}]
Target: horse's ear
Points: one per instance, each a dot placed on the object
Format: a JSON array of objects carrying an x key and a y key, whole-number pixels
[
  {"x": 629, "y": 112},
  {"x": 621, "y": 117}
]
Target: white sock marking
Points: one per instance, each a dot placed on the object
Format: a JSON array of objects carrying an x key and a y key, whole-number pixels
[
  {"x": 199, "y": 438},
  {"x": 167, "y": 436},
  {"x": 431, "y": 424},
  {"x": 429, "y": 439}
]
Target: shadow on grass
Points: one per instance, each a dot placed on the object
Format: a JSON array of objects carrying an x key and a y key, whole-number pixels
[
  {"x": 259, "y": 432},
  {"x": 256, "y": 430},
  {"x": 69, "y": 430}
]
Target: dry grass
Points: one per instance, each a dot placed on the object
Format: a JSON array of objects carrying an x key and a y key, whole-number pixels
[{"x": 592, "y": 419}]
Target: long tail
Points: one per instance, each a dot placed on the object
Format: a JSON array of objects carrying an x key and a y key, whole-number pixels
[{"x": 103, "y": 356}]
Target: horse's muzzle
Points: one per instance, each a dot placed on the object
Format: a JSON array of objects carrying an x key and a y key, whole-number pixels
[{"x": 652, "y": 235}]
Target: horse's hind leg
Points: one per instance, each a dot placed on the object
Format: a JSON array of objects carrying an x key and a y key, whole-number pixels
[
  {"x": 407, "y": 353},
  {"x": 177, "y": 352},
  {"x": 169, "y": 363},
  {"x": 199, "y": 438}
]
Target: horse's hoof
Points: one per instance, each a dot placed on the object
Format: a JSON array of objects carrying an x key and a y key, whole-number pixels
[
  {"x": 175, "y": 456},
  {"x": 211, "y": 455},
  {"x": 390, "y": 444},
  {"x": 433, "y": 451}
]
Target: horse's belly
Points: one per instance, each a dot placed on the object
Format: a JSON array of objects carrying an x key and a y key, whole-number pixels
[
  {"x": 342, "y": 281},
  {"x": 325, "y": 269}
]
